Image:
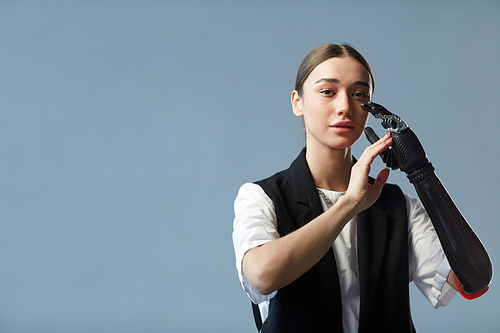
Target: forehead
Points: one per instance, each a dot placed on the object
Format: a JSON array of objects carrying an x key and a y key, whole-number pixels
[{"x": 345, "y": 69}]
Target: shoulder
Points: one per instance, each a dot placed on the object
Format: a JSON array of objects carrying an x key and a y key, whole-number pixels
[
  {"x": 417, "y": 215},
  {"x": 264, "y": 192},
  {"x": 298, "y": 169},
  {"x": 276, "y": 185},
  {"x": 253, "y": 210},
  {"x": 275, "y": 179},
  {"x": 252, "y": 193}
]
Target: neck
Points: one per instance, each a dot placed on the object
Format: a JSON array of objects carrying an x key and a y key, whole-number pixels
[{"x": 330, "y": 168}]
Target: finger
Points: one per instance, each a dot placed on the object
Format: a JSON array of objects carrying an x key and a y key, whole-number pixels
[
  {"x": 375, "y": 149},
  {"x": 381, "y": 179},
  {"x": 367, "y": 107},
  {"x": 383, "y": 143},
  {"x": 371, "y": 135},
  {"x": 380, "y": 145}
]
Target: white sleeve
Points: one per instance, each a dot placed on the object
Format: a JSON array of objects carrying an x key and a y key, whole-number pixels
[
  {"x": 429, "y": 267},
  {"x": 254, "y": 224}
]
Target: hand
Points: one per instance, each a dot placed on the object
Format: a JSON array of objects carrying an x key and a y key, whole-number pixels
[
  {"x": 387, "y": 155},
  {"x": 362, "y": 193},
  {"x": 407, "y": 152}
]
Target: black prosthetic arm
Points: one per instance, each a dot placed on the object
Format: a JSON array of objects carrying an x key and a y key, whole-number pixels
[{"x": 466, "y": 254}]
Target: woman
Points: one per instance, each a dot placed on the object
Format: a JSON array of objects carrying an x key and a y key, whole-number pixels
[{"x": 285, "y": 225}]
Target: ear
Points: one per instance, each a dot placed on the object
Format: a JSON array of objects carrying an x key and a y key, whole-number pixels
[{"x": 297, "y": 104}]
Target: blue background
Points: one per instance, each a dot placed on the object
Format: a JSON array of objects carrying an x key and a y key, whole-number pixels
[{"x": 127, "y": 127}]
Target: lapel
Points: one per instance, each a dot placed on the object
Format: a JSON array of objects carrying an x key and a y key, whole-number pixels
[
  {"x": 308, "y": 209},
  {"x": 372, "y": 235},
  {"x": 305, "y": 191}
]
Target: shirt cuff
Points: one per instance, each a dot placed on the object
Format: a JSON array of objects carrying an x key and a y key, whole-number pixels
[{"x": 441, "y": 291}]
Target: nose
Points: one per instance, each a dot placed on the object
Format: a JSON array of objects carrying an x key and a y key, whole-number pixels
[{"x": 343, "y": 105}]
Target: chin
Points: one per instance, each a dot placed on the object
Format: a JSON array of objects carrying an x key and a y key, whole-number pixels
[{"x": 343, "y": 144}]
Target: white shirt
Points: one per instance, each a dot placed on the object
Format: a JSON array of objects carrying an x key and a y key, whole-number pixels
[{"x": 255, "y": 224}]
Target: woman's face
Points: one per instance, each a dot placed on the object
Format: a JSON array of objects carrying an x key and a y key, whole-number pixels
[{"x": 330, "y": 103}]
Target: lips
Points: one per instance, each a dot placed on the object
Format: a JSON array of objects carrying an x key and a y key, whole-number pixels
[
  {"x": 343, "y": 124},
  {"x": 343, "y": 127}
]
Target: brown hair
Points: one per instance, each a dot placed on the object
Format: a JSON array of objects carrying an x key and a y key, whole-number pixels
[{"x": 325, "y": 52}]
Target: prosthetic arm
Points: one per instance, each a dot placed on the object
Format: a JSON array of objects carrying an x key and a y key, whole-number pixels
[{"x": 466, "y": 254}]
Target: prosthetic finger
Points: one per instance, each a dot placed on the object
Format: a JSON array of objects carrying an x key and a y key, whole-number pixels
[{"x": 371, "y": 135}]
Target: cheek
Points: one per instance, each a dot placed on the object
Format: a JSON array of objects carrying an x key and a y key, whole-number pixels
[{"x": 363, "y": 117}]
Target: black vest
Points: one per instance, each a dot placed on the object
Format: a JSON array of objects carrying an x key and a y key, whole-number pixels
[{"x": 312, "y": 303}]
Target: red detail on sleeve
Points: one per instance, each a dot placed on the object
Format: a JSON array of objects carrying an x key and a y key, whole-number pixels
[{"x": 473, "y": 295}]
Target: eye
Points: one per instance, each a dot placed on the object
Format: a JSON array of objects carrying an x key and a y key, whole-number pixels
[
  {"x": 360, "y": 94},
  {"x": 326, "y": 92}
]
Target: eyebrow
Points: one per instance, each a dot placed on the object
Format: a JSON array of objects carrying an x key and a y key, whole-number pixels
[
  {"x": 325, "y": 79},
  {"x": 333, "y": 80}
]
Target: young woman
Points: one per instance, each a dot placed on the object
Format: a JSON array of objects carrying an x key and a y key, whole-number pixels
[{"x": 321, "y": 247}]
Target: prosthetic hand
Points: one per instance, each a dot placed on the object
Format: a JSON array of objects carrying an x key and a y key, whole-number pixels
[{"x": 466, "y": 254}]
